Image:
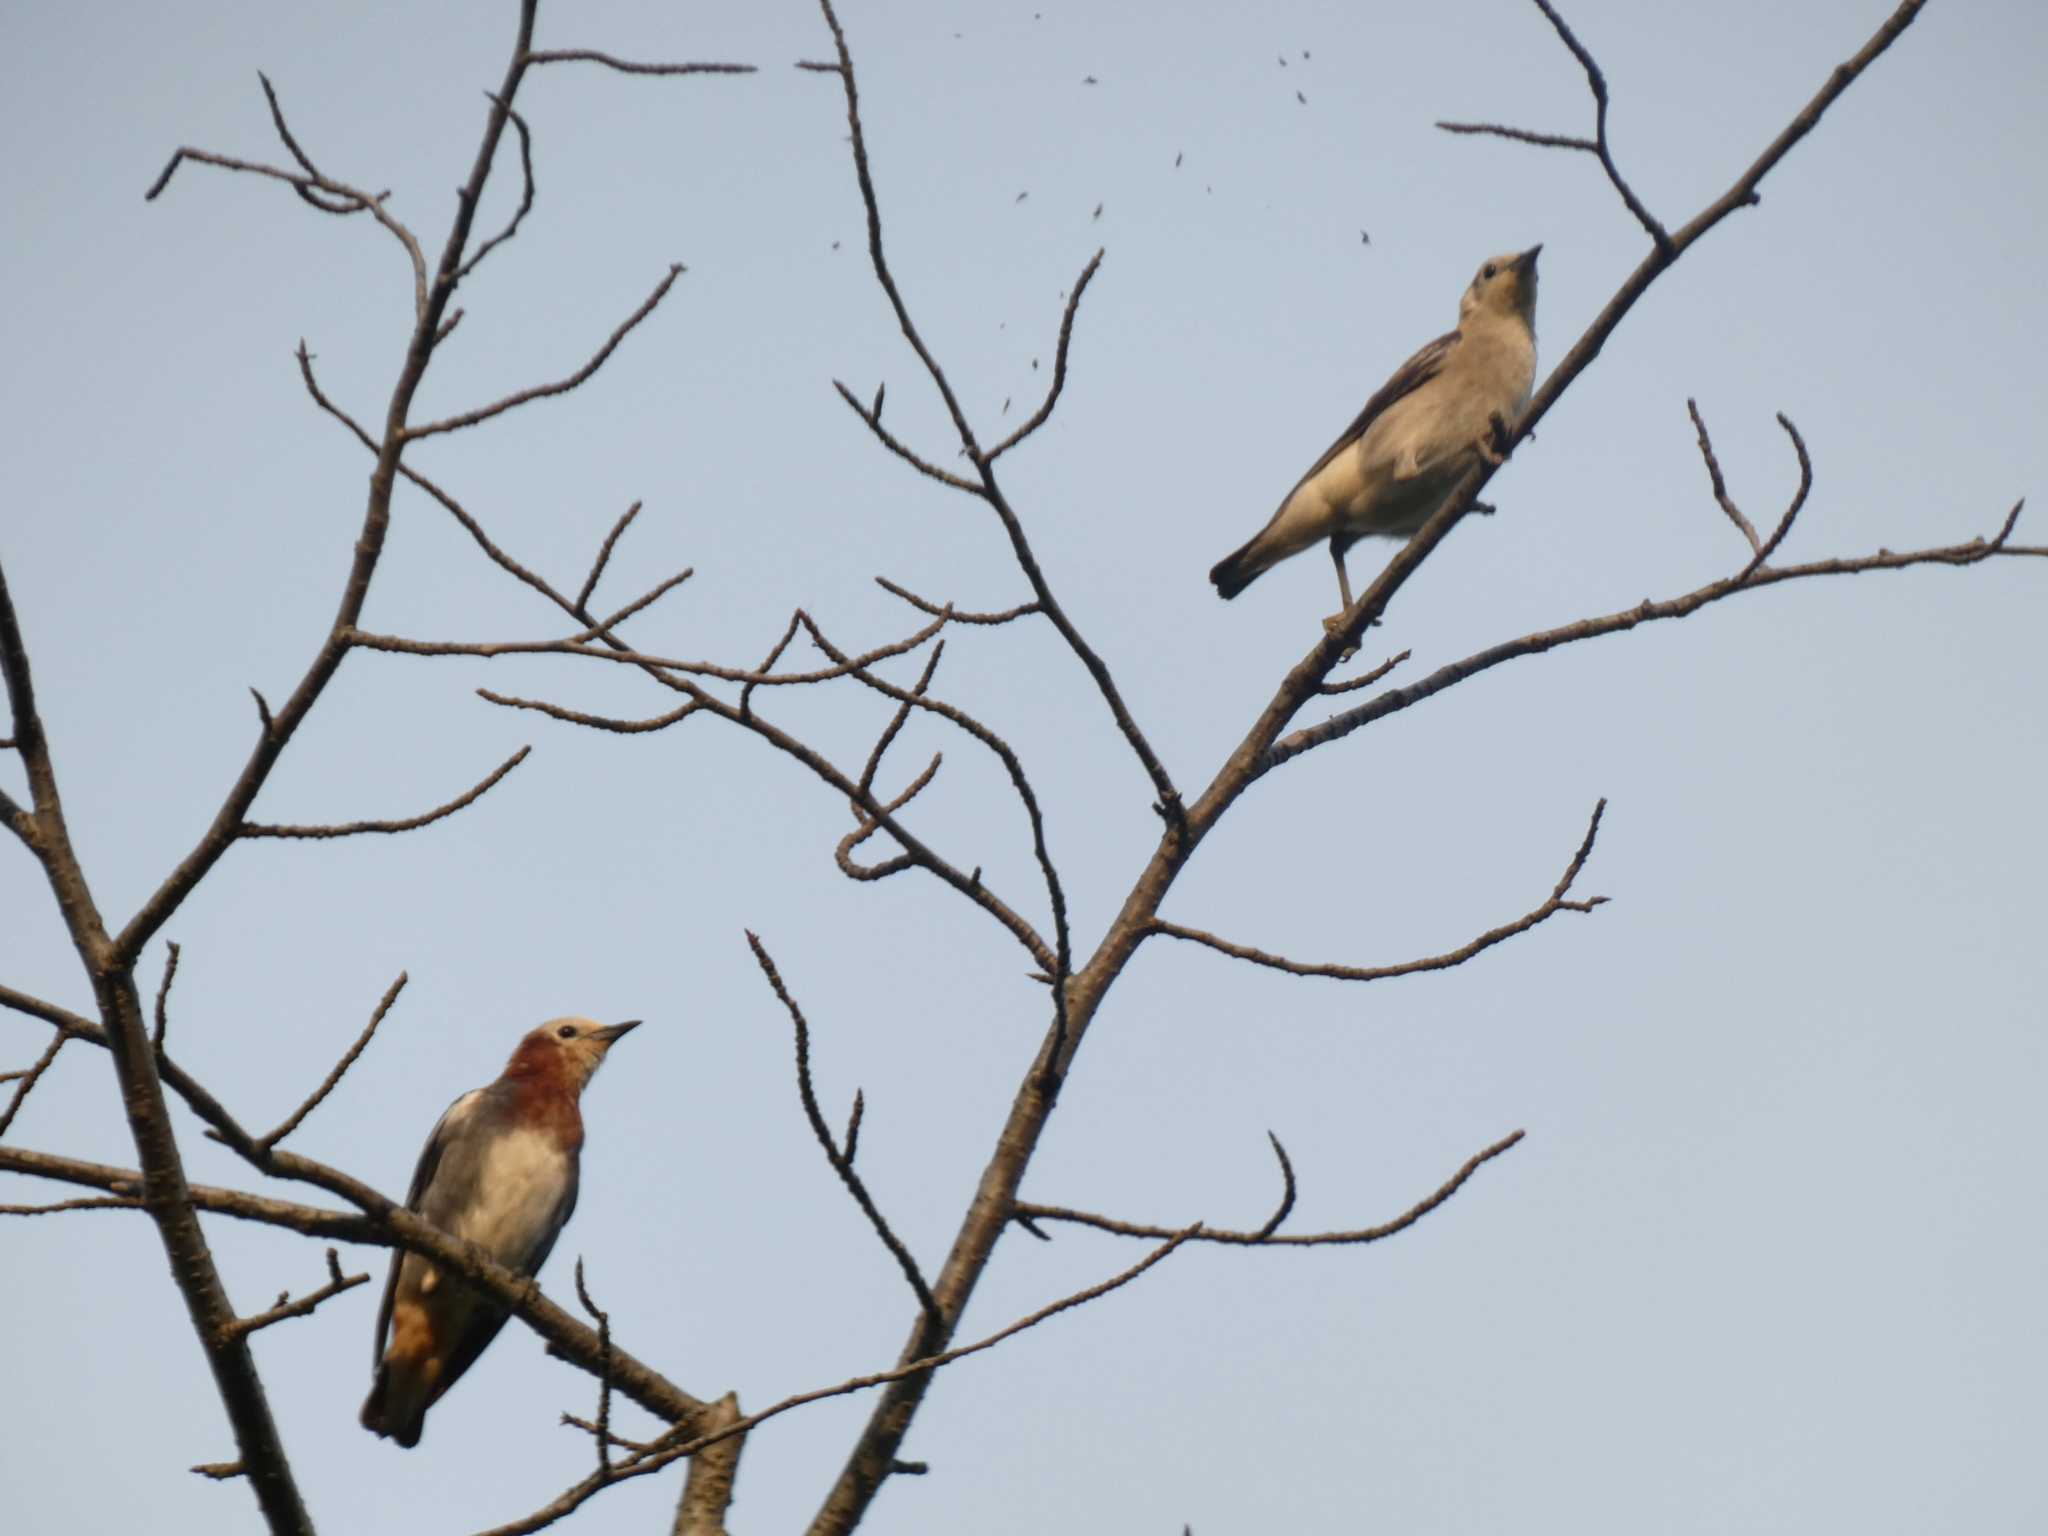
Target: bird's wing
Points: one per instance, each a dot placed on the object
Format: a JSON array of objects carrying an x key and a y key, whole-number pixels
[
  {"x": 1409, "y": 377},
  {"x": 422, "y": 1181},
  {"x": 488, "y": 1317}
]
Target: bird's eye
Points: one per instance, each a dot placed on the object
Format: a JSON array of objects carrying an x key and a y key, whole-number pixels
[
  {"x": 1488, "y": 270},
  {"x": 567, "y": 1031}
]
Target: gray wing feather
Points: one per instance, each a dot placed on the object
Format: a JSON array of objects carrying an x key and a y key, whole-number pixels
[
  {"x": 1425, "y": 365},
  {"x": 423, "y": 1179}
]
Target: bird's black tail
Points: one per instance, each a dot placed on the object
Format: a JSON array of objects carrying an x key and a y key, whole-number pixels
[
  {"x": 1238, "y": 570},
  {"x": 396, "y": 1421}
]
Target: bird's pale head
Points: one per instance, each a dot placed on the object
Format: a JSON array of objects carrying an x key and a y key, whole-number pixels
[
  {"x": 1503, "y": 286},
  {"x": 567, "y": 1051}
]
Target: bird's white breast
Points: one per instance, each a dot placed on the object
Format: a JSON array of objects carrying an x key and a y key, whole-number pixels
[{"x": 522, "y": 1186}]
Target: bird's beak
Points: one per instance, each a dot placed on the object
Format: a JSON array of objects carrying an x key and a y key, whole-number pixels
[
  {"x": 611, "y": 1035},
  {"x": 1527, "y": 259}
]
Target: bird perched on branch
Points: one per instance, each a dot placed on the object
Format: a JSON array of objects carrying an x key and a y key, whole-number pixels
[
  {"x": 499, "y": 1171},
  {"x": 1391, "y": 469}
]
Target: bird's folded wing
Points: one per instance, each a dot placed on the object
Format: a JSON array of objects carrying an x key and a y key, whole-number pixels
[
  {"x": 1409, "y": 377},
  {"x": 422, "y": 1180}
]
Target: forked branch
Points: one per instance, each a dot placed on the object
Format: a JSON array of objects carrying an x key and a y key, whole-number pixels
[{"x": 1558, "y": 901}]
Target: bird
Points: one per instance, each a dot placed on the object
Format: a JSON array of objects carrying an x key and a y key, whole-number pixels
[
  {"x": 1392, "y": 466},
  {"x": 500, "y": 1171}
]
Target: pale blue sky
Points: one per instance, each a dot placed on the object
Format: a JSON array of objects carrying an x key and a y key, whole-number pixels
[{"x": 1770, "y": 1258}]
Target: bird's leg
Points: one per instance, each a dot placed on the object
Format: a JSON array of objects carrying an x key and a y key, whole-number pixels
[{"x": 1335, "y": 621}]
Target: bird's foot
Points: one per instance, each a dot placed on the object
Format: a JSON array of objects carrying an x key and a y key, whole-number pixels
[{"x": 1334, "y": 624}]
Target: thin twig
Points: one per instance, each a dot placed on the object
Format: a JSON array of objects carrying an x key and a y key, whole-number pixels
[
  {"x": 1395, "y": 700},
  {"x": 1720, "y": 486},
  {"x": 318, "y": 200},
  {"x": 1056, "y": 897},
  {"x": 408, "y": 824},
  {"x": 774, "y": 655},
  {"x": 604, "y": 555},
  {"x": 1556, "y": 903},
  {"x": 163, "y": 994},
  {"x": 989, "y": 490},
  {"x": 286, "y": 1308},
  {"x": 872, "y": 415},
  {"x": 896, "y": 721},
  {"x": 868, "y": 825},
  {"x": 1286, "y": 1190},
  {"x": 1598, "y": 146},
  {"x": 26, "y": 1080},
  {"x": 599, "y": 628},
  {"x": 851, "y": 1141},
  {"x": 1770, "y": 545},
  {"x": 1265, "y": 1237},
  {"x": 1353, "y": 684},
  {"x": 604, "y": 1375},
  {"x": 662, "y": 722},
  {"x": 630, "y": 66},
  {"x": 1523, "y": 136},
  {"x": 402, "y": 646},
  {"x": 1043, "y": 414},
  {"x": 521, "y": 397},
  {"x": 841, "y": 1163},
  {"x": 925, "y": 605},
  {"x": 348, "y": 1059},
  {"x": 91, "y": 1203},
  {"x": 526, "y": 191}
]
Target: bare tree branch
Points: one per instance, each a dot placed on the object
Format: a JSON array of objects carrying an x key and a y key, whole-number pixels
[
  {"x": 162, "y": 1186},
  {"x": 402, "y": 646},
  {"x": 1597, "y": 146},
  {"x": 1770, "y": 545},
  {"x": 842, "y": 1163},
  {"x": 49, "y": 1013},
  {"x": 380, "y": 1222},
  {"x": 521, "y": 397},
  {"x": 408, "y": 824},
  {"x": 327, "y": 1085},
  {"x": 25, "y": 1081},
  {"x": 284, "y": 133},
  {"x": 663, "y": 1451},
  {"x": 1755, "y": 578},
  {"x": 596, "y": 722},
  {"x": 923, "y": 605},
  {"x": 1265, "y": 1236},
  {"x": 630, "y": 67},
  {"x": 526, "y": 191},
  {"x": 1043, "y": 414},
  {"x": 1063, "y": 958},
  {"x": 872, "y": 415},
  {"x": 989, "y": 490},
  {"x": 1353, "y": 684},
  {"x": 604, "y": 555},
  {"x": 163, "y": 996},
  {"x": 92, "y": 1203},
  {"x": 1742, "y": 524},
  {"x": 603, "y": 1320},
  {"x": 286, "y": 1308},
  {"x": 867, "y": 827},
  {"x": 707, "y": 1492},
  {"x": 647, "y": 599},
  {"x": 1557, "y": 903},
  {"x": 875, "y": 1455}
]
